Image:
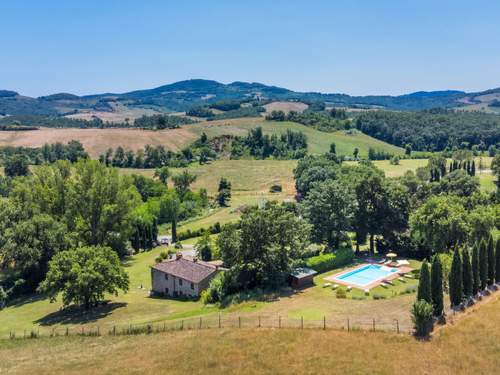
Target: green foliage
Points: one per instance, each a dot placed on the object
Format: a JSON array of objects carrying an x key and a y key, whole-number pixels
[
  {"x": 329, "y": 261},
  {"x": 424, "y": 284},
  {"x": 224, "y": 192},
  {"x": 317, "y": 120},
  {"x": 468, "y": 277},
  {"x": 476, "y": 277},
  {"x": 84, "y": 275},
  {"x": 16, "y": 166},
  {"x": 422, "y": 317},
  {"x": 456, "y": 283},
  {"x": 483, "y": 264},
  {"x": 436, "y": 287},
  {"x": 330, "y": 208},
  {"x": 341, "y": 293},
  {"x": 204, "y": 247},
  {"x": 276, "y": 189},
  {"x": 491, "y": 261},
  {"x": 182, "y": 181},
  {"x": 162, "y": 173},
  {"x": 440, "y": 223},
  {"x": 430, "y": 130},
  {"x": 160, "y": 122},
  {"x": 265, "y": 247}
]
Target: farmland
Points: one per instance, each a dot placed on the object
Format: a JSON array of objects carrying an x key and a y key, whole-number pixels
[{"x": 96, "y": 141}]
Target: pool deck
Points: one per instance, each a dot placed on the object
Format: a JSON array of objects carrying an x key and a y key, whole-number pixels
[{"x": 402, "y": 270}]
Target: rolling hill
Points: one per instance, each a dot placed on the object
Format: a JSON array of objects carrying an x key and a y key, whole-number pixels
[{"x": 183, "y": 95}]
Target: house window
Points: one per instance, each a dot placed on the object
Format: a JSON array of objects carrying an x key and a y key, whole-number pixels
[
  {"x": 180, "y": 282},
  {"x": 166, "y": 290},
  {"x": 166, "y": 276},
  {"x": 192, "y": 286}
]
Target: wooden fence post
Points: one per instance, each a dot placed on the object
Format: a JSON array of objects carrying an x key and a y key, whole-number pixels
[
  {"x": 324, "y": 322},
  {"x": 259, "y": 321},
  {"x": 397, "y": 325},
  {"x": 373, "y": 325},
  {"x": 239, "y": 321},
  {"x": 200, "y": 322},
  {"x": 182, "y": 324},
  {"x": 348, "y": 325},
  {"x": 219, "y": 321},
  {"x": 302, "y": 322},
  {"x": 279, "y": 321}
]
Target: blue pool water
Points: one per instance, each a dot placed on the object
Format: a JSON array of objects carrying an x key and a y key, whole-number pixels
[{"x": 367, "y": 274}]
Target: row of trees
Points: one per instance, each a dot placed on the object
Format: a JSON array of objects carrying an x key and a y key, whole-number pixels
[{"x": 328, "y": 122}]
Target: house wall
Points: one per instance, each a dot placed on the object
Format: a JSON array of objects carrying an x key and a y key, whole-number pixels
[{"x": 160, "y": 284}]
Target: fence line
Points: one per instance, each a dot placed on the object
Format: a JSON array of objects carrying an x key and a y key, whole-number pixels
[{"x": 219, "y": 322}]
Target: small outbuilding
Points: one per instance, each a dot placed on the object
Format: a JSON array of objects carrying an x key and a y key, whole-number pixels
[{"x": 301, "y": 277}]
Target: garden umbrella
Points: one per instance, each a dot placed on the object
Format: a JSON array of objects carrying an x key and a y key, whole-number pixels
[{"x": 391, "y": 255}]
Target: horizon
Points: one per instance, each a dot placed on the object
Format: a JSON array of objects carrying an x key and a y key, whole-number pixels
[{"x": 356, "y": 48}]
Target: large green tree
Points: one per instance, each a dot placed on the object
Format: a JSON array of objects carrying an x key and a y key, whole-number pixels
[
  {"x": 84, "y": 275},
  {"x": 330, "y": 208},
  {"x": 483, "y": 264},
  {"x": 476, "y": 277},
  {"x": 491, "y": 261},
  {"x": 264, "y": 247},
  {"x": 440, "y": 223}
]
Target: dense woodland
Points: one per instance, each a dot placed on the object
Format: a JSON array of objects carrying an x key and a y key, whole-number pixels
[
  {"x": 434, "y": 130},
  {"x": 325, "y": 121}
]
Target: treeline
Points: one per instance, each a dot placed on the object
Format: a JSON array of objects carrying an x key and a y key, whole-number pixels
[
  {"x": 290, "y": 145},
  {"x": 229, "y": 110},
  {"x": 28, "y": 122},
  {"x": 331, "y": 121},
  {"x": 48, "y": 153},
  {"x": 435, "y": 130}
]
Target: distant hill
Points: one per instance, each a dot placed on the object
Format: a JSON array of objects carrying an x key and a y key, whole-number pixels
[{"x": 183, "y": 95}]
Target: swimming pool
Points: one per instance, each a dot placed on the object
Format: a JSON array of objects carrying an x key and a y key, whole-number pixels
[{"x": 366, "y": 275}]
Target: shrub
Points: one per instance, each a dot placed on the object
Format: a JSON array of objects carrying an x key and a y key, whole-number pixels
[
  {"x": 276, "y": 189},
  {"x": 378, "y": 296},
  {"x": 329, "y": 261},
  {"x": 421, "y": 315},
  {"x": 163, "y": 255},
  {"x": 341, "y": 293},
  {"x": 213, "y": 229},
  {"x": 410, "y": 289}
]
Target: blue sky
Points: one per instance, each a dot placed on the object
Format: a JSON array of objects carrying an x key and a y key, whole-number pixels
[{"x": 355, "y": 47}]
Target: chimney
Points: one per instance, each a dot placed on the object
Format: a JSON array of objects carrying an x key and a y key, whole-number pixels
[{"x": 178, "y": 255}]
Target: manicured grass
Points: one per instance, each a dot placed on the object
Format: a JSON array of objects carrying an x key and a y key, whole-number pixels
[{"x": 469, "y": 346}]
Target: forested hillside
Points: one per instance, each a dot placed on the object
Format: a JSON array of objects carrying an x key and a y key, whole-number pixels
[{"x": 432, "y": 130}]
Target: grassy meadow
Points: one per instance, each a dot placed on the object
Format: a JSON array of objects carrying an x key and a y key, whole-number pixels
[{"x": 467, "y": 346}]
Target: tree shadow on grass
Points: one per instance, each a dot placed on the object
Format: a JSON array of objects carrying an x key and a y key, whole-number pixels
[{"x": 78, "y": 315}]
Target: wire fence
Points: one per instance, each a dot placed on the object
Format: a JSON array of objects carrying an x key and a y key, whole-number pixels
[{"x": 218, "y": 322}]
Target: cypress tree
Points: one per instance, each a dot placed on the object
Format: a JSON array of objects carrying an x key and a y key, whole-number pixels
[
  {"x": 424, "y": 284},
  {"x": 456, "y": 279},
  {"x": 467, "y": 274},
  {"x": 437, "y": 286},
  {"x": 473, "y": 168},
  {"x": 497, "y": 257},
  {"x": 491, "y": 261},
  {"x": 476, "y": 279},
  {"x": 483, "y": 264}
]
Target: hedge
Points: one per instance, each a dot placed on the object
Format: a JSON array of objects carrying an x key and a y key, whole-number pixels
[{"x": 328, "y": 261}]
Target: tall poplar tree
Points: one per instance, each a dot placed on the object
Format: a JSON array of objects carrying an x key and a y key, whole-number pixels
[
  {"x": 467, "y": 274},
  {"x": 497, "y": 257},
  {"x": 491, "y": 261},
  {"x": 456, "y": 279},
  {"x": 476, "y": 279},
  {"x": 437, "y": 286},
  {"x": 424, "y": 285},
  {"x": 483, "y": 264}
]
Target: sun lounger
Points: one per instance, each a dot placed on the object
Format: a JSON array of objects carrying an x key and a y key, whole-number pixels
[
  {"x": 326, "y": 285},
  {"x": 384, "y": 285},
  {"x": 387, "y": 262},
  {"x": 381, "y": 261},
  {"x": 367, "y": 291},
  {"x": 349, "y": 288},
  {"x": 335, "y": 286},
  {"x": 387, "y": 282},
  {"x": 408, "y": 276},
  {"x": 402, "y": 279}
]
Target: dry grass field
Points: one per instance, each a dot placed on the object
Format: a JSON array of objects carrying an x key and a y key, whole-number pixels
[{"x": 469, "y": 346}]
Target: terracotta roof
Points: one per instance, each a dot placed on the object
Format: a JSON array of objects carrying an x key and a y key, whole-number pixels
[{"x": 186, "y": 268}]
